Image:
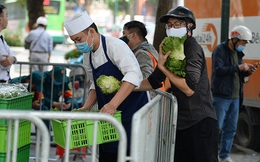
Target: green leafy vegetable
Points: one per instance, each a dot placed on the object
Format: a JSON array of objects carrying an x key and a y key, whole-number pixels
[
  {"x": 176, "y": 61},
  {"x": 108, "y": 84},
  {"x": 8, "y": 91},
  {"x": 55, "y": 109},
  {"x": 77, "y": 110}
]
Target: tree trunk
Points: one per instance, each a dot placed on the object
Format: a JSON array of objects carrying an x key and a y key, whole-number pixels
[
  {"x": 35, "y": 10},
  {"x": 163, "y": 7}
]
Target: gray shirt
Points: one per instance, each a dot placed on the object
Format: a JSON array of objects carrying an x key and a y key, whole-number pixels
[
  {"x": 45, "y": 42},
  {"x": 142, "y": 55}
]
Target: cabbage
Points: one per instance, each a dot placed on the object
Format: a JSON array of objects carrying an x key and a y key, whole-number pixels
[
  {"x": 176, "y": 61},
  {"x": 108, "y": 84}
]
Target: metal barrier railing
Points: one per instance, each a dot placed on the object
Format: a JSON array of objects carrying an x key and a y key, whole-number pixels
[
  {"x": 35, "y": 117},
  {"x": 153, "y": 130},
  {"x": 155, "y": 122},
  {"x": 20, "y": 66},
  {"x": 44, "y": 135}
]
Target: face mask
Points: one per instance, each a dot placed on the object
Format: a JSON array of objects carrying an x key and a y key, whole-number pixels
[
  {"x": 125, "y": 39},
  {"x": 240, "y": 48},
  {"x": 176, "y": 32},
  {"x": 84, "y": 47}
]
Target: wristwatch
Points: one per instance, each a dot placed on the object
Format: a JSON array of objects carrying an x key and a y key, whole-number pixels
[{"x": 14, "y": 60}]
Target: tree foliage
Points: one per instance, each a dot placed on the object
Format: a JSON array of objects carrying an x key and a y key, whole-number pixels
[{"x": 123, "y": 5}]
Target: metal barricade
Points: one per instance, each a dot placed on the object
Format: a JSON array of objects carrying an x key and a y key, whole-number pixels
[
  {"x": 37, "y": 116},
  {"x": 153, "y": 130},
  {"x": 73, "y": 71},
  {"x": 153, "y": 126},
  {"x": 16, "y": 116},
  {"x": 25, "y": 68}
]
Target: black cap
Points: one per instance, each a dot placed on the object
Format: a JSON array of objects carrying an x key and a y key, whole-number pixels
[{"x": 179, "y": 12}]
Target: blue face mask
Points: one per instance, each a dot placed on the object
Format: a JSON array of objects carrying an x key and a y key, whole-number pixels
[
  {"x": 84, "y": 47},
  {"x": 240, "y": 48}
]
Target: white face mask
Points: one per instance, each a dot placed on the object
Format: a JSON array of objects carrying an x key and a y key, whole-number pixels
[{"x": 176, "y": 32}]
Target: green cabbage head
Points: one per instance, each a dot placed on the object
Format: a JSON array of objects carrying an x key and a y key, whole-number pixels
[
  {"x": 176, "y": 61},
  {"x": 108, "y": 84}
]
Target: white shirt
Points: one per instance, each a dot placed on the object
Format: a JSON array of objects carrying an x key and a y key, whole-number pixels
[
  {"x": 120, "y": 55},
  {"x": 4, "y": 50}
]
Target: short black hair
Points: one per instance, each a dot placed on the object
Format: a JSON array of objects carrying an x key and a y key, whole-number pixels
[
  {"x": 136, "y": 26},
  {"x": 2, "y": 7},
  {"x": 93, "y": 25}
]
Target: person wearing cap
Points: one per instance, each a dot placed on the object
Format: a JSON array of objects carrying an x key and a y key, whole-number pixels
[
  {"x": 56, "y": 86},
  {"x": 41, "y": 44},
  {"x": 228, "y": 73},
  {"x": 7, "y": 57},
  {"x": 108, "y": 56},
  {"x": 197, "y": 127}
]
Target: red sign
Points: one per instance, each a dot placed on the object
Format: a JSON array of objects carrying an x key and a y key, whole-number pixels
[{"x": 46, "y": 2}]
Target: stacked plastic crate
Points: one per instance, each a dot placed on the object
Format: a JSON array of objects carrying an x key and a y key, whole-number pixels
[
  {"x": 12, "y": 99},
  {"x": 82, "y": 132}
]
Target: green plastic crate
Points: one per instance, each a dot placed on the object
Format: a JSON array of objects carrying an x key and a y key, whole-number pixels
[
  {"x": 23, "y": 102},
  {"x": 82, "y": 132},
  {"x": 23, "y": 154},
  {"x": 23, "y": 136}
]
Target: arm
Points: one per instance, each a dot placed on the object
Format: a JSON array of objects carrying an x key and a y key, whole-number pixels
[
  {"x": 145, "y": 86},
  {"x": 179, "y": 82},
  {"x": 121, "y": 55},
  {"x": 91, "y": 100},
  {"x": 9, "y": 57},
  {"x": 111, "y": 107},
  {"x": 145, "y": 62},
  {"x": 8, "y": 61},
  {"x": 154, "y": 81}
]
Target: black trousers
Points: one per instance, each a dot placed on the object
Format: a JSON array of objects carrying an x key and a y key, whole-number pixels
[
  {"x": 3, "y": 81},
  {"x": 198, "y": 143},
  {"x": 109, "y": 157}
]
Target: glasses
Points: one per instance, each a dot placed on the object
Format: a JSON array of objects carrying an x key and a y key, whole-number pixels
[{"x": 176, "y": 24}]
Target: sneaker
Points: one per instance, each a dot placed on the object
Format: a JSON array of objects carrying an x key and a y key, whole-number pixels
[{"x": 228, "y": 159}]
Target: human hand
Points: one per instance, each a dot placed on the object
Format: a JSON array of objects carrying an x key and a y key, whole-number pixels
[
  {"x": 66, "y": 106},
  {"x": 108, "y": 109},
  {"x": 8, "y": 61},
  {"x": 61, "y": 105},
  {"x": 82, "y": 109},
  {"x": 244, "y": 67},
  {"x": 162, "y": 58},
  {"x": 256, "y": 64},
  {"x": 254, "y": 67},
  {"x": 3, "y": 60}
]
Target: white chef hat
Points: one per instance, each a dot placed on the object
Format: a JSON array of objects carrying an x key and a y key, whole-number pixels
[{"x": 78, "y": 23}]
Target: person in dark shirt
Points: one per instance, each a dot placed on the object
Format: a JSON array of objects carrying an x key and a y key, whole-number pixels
[
  {"x": 228, "y": 73},
  {"x": 197, "y": 127}
]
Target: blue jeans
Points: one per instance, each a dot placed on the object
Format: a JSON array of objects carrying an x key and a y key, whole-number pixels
[{"x": 227, "y": 113}]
